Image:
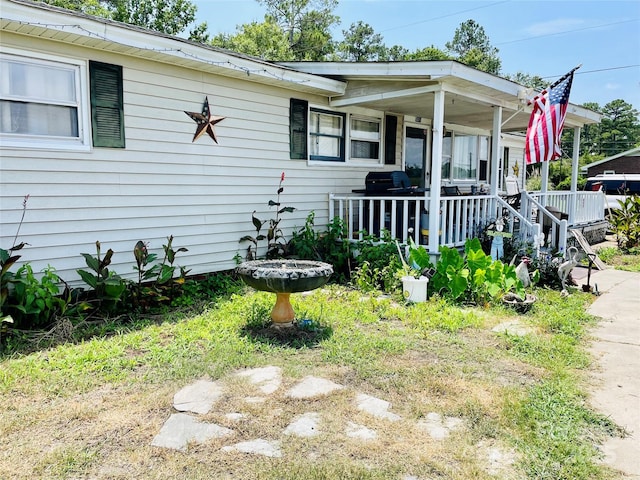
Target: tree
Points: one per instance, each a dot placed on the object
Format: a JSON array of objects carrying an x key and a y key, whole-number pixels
[
  {"x": 527, "y": 80},
  {"x": 428, "y": 53},
  {"x": 472, "y": 46},
  {"x": 394, "y": 54},
  {"x": 307, "y": 24},
  {"x": 167, "y": 16},
  {"x": 620, "y": 128},
  {"x": 361, "y": 43},
  {"x": 266, "y": 40}
]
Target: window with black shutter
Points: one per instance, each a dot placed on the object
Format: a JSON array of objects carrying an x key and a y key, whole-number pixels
[
  {"x": 107, "y": 106},
  {"x": 390, "y": 130},
  {"x": 298, "y": 129}
]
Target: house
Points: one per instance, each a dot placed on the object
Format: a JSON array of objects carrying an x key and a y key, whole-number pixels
[
  {"x": 622, "y": 163},
  {"x": 94, "y": 128}
]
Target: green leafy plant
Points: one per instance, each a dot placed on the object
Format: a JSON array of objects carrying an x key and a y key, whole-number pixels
[
  {"x": 276, "y": 244},
  {"x": 379, "y": 256},
  {"x": 473, "y": 276},
  {"x": 156, "y": 282},
  {"x": 35, "y": 301},
  {"x": 109, "y": 288},
  {"x": 330, "y": 246},
  {"x": 7, "y": 260},
  {"x": 625, "y": 222}
]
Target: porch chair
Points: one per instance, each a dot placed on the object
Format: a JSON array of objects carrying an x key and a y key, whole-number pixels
[
  {"x": 451, "y": 191},
  {"x": 513, "y": 195}
]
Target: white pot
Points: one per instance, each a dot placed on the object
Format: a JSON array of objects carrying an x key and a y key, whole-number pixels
[{"x": 414, "y": 289}]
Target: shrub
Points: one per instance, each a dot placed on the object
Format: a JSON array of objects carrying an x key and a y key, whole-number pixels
[{"x": 625, "y": 222}]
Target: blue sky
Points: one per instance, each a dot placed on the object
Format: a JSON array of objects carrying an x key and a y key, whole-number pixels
[{"x": 545, "y": 38}]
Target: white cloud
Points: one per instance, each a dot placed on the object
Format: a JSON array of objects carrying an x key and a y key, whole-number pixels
[
  {"x": 612, "y": 86},
  {"x": 555, "y": 26}
]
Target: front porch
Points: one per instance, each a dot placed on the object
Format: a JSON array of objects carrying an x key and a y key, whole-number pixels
[{"x": 466, "y": 216}]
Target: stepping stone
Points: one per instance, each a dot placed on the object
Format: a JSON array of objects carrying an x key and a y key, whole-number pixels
[
  {"x": 437, "y": 427},
  {"x": 258, "y": 447},
  {"x": 180, "y": 429},
  {"x": 311, "y": 387},
  {"x": 268, "y": 379},
  {"x": 305, "y": 425},
  {"x": 376, "y": 407},
  {"x": 360, "y": 431},
  {"x": 513, "y": 327},
  {"x": 198, "y": 397}
]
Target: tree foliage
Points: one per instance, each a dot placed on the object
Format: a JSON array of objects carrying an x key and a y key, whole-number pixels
[
  {"x": 620, "y": 129},
  {"x": 361, "y": 43},
  {"x": 307, "y": 25},
  {"x": 266, "y": 40},
  {"x": 472, "y": 46}
]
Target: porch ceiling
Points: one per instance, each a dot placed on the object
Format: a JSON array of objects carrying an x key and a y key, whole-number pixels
[{"x": 407, "y": 88}]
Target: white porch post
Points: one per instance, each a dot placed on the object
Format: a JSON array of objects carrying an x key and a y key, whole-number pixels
[
  {"x": 574, "y": 175},
  {"x": 436, "y": 172},
  {"x": 496, "y": 153}
]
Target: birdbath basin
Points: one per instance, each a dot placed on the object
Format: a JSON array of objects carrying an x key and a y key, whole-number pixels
[{"x": 284, "y": 277}]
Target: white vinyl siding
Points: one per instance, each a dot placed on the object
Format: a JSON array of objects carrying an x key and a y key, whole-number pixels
[{"x": 163, "y": 183}]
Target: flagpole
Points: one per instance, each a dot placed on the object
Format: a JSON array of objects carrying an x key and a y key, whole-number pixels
[{"x": 557, "y": 82}]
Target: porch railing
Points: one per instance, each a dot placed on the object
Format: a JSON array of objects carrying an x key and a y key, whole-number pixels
[
  {"x": 587, "y": 207},
  {"x": 403, "y": 217},
  {"x": 464, "y": 217}
]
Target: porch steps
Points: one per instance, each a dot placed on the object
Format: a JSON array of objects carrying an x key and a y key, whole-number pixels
[{"x": 577, "y": 234}]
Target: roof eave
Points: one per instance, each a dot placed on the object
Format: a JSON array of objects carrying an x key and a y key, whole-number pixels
[{"x": 18, "y": 16}]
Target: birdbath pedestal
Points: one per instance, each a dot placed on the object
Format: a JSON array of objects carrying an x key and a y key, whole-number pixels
[{"x": 284, "y": 277}]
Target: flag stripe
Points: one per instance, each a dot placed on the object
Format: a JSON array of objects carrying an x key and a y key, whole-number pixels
[{"x": 546, "y": 122}]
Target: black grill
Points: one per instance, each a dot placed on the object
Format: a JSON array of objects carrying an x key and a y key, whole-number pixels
[{"x": 389, "y": 183}]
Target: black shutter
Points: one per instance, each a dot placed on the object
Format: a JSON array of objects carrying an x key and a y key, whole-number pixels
[
  {"x": 298, "y": 129},
  {"x": 390, "y": 129},
  {"x": 107, "y": 105}
]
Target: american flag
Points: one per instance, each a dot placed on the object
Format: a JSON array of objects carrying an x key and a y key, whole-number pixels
[{"x": 547, "y": 119}]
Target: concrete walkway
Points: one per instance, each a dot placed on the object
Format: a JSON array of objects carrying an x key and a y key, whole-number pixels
[{"x": 616, "y": 373}]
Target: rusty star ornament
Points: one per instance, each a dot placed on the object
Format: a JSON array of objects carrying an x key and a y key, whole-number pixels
[{"x": 205, "y": 121}]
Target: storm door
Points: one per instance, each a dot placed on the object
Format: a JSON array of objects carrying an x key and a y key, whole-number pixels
[{"x": 415, "y": 157}]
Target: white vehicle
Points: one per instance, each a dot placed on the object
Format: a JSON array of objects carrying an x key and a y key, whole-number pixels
[{"x": 616, "y": 187}]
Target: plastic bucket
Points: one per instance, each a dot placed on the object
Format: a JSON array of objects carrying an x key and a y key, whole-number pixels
[{"x": 415, "y": 289}]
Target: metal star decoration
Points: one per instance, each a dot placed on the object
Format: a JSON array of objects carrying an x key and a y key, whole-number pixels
[{"x": 205, "y": 121}]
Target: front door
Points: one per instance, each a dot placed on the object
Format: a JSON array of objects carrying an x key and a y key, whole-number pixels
[{"x": 415, "y": 156}]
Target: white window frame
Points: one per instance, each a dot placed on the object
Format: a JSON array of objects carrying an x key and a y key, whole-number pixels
[
  {"x": 467, "y": 132},
  {"x": 369, "y": 139},
  {"x": 32, "y": 141}
]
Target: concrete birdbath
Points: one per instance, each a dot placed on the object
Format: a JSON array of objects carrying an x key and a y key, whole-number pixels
[{"x": 284, "y": 277}]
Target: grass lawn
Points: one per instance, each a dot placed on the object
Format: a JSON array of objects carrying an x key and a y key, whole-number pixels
[{"x": 91, "y": 409}]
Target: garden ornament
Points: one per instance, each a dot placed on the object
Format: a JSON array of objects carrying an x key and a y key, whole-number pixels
[
  {"x": 522, "y": 272},
  {"x": 564, "y": 270}
]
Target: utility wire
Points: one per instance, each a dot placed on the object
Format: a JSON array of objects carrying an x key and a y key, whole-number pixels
[
  {"x": 566, "y": 31},
  {"x": 444, "y": 16}
]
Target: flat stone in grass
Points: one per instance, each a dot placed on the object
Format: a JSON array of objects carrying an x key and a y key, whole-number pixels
[
  {"x": 305, "y": 425},
  {"x": 198, "y": 397},
  {"x": 180, "y": 429},
  {"x": 376, "y": 407},
  {"x": 311, "y": 387},
  {"x": 258, "y": 447},
  {"x": 360, "y": 432},
  {"x": 267, "y": 379},
  {"x": 437, "y": 427}
]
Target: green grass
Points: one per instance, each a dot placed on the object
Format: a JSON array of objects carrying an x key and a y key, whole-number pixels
[
  {"x": 619, "y": 259},
  {"x": 520, "y": 391}
]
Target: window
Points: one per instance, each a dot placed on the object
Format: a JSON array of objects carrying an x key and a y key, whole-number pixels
[
  {"x": 40, "y": 102},
  {"x": 365, "y": 139},
  {"x": 326, "y": 133},
  {"x": 107, "y": 105},
  {"x": 465, "y": 157}
]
